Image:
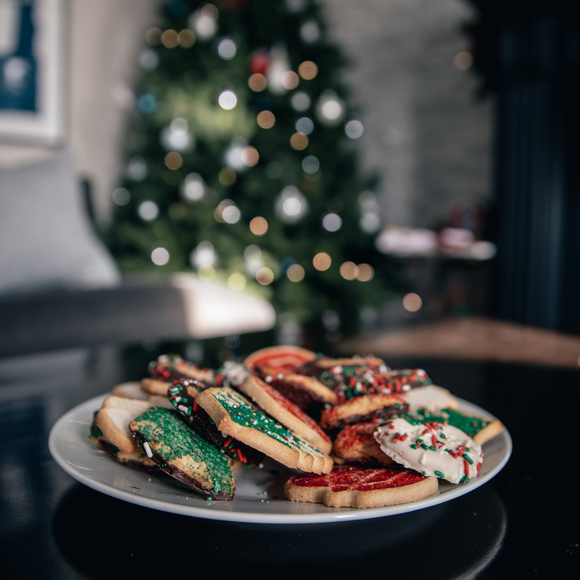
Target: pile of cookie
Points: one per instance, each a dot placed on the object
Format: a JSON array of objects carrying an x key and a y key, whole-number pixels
[{"x": 363, "y": 434}]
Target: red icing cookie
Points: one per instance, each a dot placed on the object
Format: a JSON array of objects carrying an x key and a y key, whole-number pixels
[
  {"x": 361, "y": 488},
  {"x": 278, "y": 359}
]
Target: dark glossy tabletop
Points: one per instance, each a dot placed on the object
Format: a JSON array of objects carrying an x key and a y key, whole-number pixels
[{"x": 522, "y": 524}]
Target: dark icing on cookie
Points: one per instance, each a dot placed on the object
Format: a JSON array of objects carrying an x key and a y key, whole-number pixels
[
  {"x": 353, "y": 380},
  {"x": 170, "y": 368},
  {"x": 182, "y": 396}
]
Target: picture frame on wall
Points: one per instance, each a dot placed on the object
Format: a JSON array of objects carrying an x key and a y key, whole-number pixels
[{"x": 32, "y": 53}]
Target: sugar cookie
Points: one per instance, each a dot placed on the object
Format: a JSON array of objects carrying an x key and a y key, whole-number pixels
[{"x": 359, "y": 487}]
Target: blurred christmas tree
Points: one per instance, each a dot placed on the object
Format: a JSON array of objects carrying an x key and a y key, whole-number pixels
[{"x": 242, "y": 163}]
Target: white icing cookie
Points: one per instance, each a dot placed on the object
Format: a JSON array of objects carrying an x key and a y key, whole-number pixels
[
  {"x": 429, "y": 397},
  {"x": 431, "y": 449}
]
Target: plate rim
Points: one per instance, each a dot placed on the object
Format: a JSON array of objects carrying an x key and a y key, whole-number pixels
[{"x": 268, "y": 518}]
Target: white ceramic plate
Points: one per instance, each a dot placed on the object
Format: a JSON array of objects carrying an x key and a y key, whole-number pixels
[{"x": 259, "y": 492}]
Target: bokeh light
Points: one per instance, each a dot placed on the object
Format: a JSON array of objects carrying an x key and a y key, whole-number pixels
[
  {"x": 258, "y": 226},
  {"x": 365, "y": 273},
  {"x": 304, "y": 125},
  {"x": 169, "y": 38},
  {"x": 299, "y": 141},
  {"x": 231, "y": 214},
  {"x": 227, "y": 49},
  {"x": 310, "y": 31},
  {"x": 176, "y": 136},
  {"x": 266, "y": 119},
  {"x": 203, "y": 21},
  {"x": 153, "y": 36},
  {"x": 331, "y": 222},
  {"x": 147, "y": 103},
  {"x": 160, "y": 256},
  {"x": 463, "y": 60},
  {"x": 186, "y": 38},
  {"x": 121, "y": 196},
  {"x": 203, "y": 256},
  {"x": 300, "y": 101},
  {"x": 265, "y": 276},
  {"x": 227, "y": 212},
  {"x": 348, "y": 270},
  {"x": 237, "y": 282},
  {"x": 290, "y": 80},
  {"x": 322, "y": 261},
  {"x": 412, "y": 302},
  {"x": 136, "y": 169},
  {"x": 354, "y": 129},
  {"x": 310, "y": 164},
  {"x": 227, "y": 100},
  {"x": 173, "y": 160},
  {"x": 193, "y": 188},
  {"x": 330, "y": 108},
  {"x": 250, "y": 156},
  {"x": 148, "y": 210},
  {"x": 291, "y": 204},
  {"x": 209, "y": 11},
  {"x": 257, "y": 82},
  {"x": 227, "y": 177},
  {"x": 295, "y": 273},
  {"x": 148, "y": 59},
  {"x": 308, "y": 70}
]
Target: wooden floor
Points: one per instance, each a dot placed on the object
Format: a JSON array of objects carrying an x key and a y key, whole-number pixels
[{"x": 475, "y": 339}]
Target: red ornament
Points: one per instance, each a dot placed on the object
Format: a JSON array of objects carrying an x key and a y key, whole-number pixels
[{"x": 260, "y": 62}]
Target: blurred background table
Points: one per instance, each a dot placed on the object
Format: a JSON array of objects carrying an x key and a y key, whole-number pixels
[{"x": 54, "y": 527}]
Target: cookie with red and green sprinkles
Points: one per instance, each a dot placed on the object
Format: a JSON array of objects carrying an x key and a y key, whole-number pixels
[
  {"x": 362, "y": 410},
  {"x": 183, "y": 454},
  {"x": 353, "y": 380},
  {"x": 360, "y": 487},
  {"x": 169, "y": 368},
  {"x": 480, "y": 429},
  {"x": 236, "y": 417},
  {"x": 431, "y": 448},
  {"x": 182, "y": 395}
]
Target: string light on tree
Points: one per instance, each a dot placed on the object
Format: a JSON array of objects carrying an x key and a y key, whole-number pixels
[
  {"x": 227, "y": 49},
  {"x": 291, "y": 204},
  {"x": 295, "y": 273},
  {"x": 193, "y": 187},
  {"x": 259, "y": 226},
  {"x": 322, "y": 261},
  {"x": 227, "y": 100},
  {"x": 160, "y": 256}
]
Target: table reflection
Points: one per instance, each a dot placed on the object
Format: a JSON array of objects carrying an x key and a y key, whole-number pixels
[{"x": 457, "y": 539}]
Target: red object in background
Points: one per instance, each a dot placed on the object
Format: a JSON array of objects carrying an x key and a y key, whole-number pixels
[{"x": 260, "y": 62}]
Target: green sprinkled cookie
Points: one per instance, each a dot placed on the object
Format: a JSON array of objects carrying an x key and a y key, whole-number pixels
[
  {"x": 182, "y": 453},
  {"x": 235, "y": 416}
]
